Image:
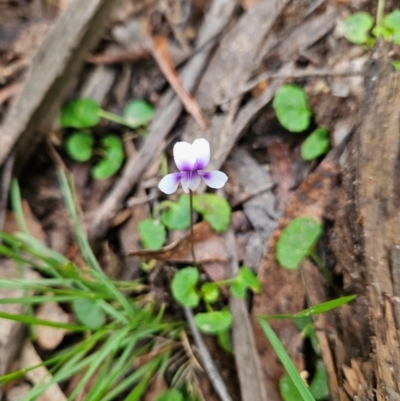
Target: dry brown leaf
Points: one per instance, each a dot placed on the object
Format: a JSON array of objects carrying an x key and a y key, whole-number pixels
[{"x": 164, "y": 61}]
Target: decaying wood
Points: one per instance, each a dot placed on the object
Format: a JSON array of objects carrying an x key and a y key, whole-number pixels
[
  {"x": 169, "y": 110},
  {"x": 368, "y": 241},
  {"x": 282, "y": 290},
  {"x": 55, "y": 64},
  {"x": 247, "y": 361}
]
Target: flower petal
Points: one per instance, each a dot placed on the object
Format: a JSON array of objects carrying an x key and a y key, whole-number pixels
[
  {"x": 169, "y": 184},
  {"x": 184, "y": 156},
  {"x": 214, "y": 179},
  {"x": 201, "y": 150},
  {"x": 191, "y": 180}
]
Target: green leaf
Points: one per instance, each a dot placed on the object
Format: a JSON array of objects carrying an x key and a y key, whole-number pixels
[
  {"x": 183, "y": 287},
  {"x": 306, "y": 326},
  {"x": 396, "y": 64},
  {"x": 316, "y": 144},
  {"x": 152, "y": 234},
  {"x": 382, "y": 31},
  {"x": 138, "y": 113},
  {"x": 79, "y": 146},
  {"x": 319, "y": 385},
  {"x": 224, "y": 340},
  {"x": 177, "y": 217},
  {"x": 283, "y": 356},
  {"x": 291, "y": 107},
  {"x": 246, "y": 279},
  {"x": 392, "y": 21},
  {"x": 170, "y": 395},
  {"x": 213, "y": 322},
  {"x": 356, "y": 27},
  {"x": 214, "y": 209},
  {"x": 80, "y": 113},
  {"x": 89, "y": 313},
  {"x": 210, "y": 292},
  {"x": 296, "y": 241},
  {"x": 113, "y": 158},
  {"x": 326, "y": 306},
  {"x": 288, "y": 390}
]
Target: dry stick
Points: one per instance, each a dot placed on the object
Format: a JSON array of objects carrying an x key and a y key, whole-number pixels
[
  {"x": 208, "y": 363},
  {"x": 191, "y": 228},
  {"x": 216, "y": 19}
]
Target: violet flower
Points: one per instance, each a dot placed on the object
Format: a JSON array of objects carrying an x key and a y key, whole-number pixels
[{"x": 191, "y": 160}]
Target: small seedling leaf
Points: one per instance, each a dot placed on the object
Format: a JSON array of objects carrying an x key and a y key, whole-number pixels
[
  {"x": 316, "y": 144},
  {"x": 296, "y": 241},
  {"x": 89, "y": 313},
  {"x": 213, "y": 322},
  {"x": 224, "y": 340},
  {"x": 356, "y": 27},
  {"x": 386, "y": 33},
  {"x": 177, "y": 217},
  {"x": 80, "y": 113},
  {"x": 288, "y": 390},
  {"x": 113, "y": 158},
  {"x": 79, "y": 146},
  {"x": 245, "y": 280},
  {"x": 152, "y": 233},
  {"x": 396, "y": 64},
  {"x": 138, "y": 113},
  {"x": 210, "y": 292},
  {"x": 392, "y": 21},
  {"x": 170, "y": 395},
  {"x": 214, "y": 209},
  {"x": 183, "y": 287},
  {"x": 291, "y": 107},
  {"x": 319, "y": 385}
]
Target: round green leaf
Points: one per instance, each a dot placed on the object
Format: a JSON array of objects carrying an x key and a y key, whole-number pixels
[
  {"x": 138, "y": 113},
  {"x": 296, "y": 241},
  {"x": 80, "y": 113},
  {"x": 291, "y": 107},
  {"x": 316, "y": 144},
  {"x": 113, "y": 158},
  {"x": 183, "y": 287},
  {"x": 177, "y": 217},
  {"x": 356, "y": 27},
  {"x": 170, "y": 395},
  {"x": 79, "y": 146},
  {"x": 89, "y": 313},
  {"x": 319, "y": 385},
  {"x": 213, "y": 322},
  {"x": 392, "y": 21},
  {"x": 288, "y": 390},
  {"x": 152, "y": 234},
  {"x": 245, "y": 280},
  {"x": 386, "y": 33},
  {"x": 210, "y": 292},
  {"x": 214, "y": 209}
]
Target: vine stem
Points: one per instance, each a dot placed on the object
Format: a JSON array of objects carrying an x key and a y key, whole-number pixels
[{"x": 191, "y": 228}]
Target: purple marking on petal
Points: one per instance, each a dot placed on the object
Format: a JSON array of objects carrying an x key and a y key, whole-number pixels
[
  {"x": 214, "y": 179},
  {"x": 200, "y": 164},
  {"x": 169, "y": 184},
  {"x": 185, "y": 166}
]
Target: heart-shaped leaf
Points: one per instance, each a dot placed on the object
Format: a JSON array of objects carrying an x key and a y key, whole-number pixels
[
  {"x": 113, "y": 158},
  {"x": 79, "y": 146},
  {"x": 177, "y": 217},
  {"x": 89, "y": 313},
  {"x": 213, "y": 322},
  {"x": 392, "y": 21},
  {"x": 296, "y": 241},
  {"x": 356, "y": 27},
  {"x": 80, "y": 113},
  {"x": 319, "y": 385},
  {"x": 210, "y": 292},
  {"x": 183, "y": 287},
  {"x": 291, "y": 107},
  {"x": 316, "y": 144},
  {"x": 245, "y": 280},
  {"x": 152, "y": 234},
  {"x": 138, "y": 113},
  {"x": 214, "y": 209}
]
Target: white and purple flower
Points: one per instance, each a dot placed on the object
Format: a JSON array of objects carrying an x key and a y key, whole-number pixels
[{"x": 191, "y": 160}]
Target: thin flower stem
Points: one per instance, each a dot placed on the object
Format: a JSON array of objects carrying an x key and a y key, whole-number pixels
[
  {"x": 380, "y": 12},
  {"x": 322, "y": 268},
  {"x": 191, "y": 228}
]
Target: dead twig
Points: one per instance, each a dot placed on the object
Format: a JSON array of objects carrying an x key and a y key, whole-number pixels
[{"x": 209, "y": 366}]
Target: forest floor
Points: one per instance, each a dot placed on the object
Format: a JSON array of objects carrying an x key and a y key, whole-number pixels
[{"x": 200, "y": 69}]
